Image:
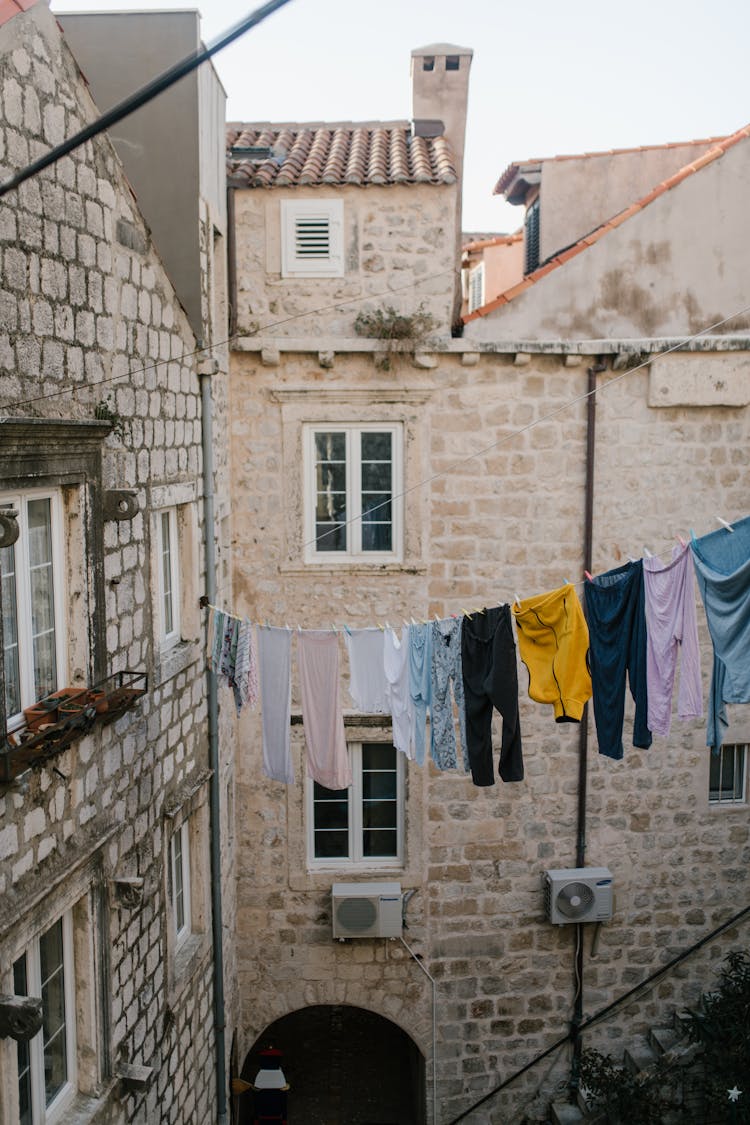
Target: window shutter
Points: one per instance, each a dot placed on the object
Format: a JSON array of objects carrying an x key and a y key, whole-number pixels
[
  {"x": 531, "y": 238},
  {"x": 476, "y": 287}
]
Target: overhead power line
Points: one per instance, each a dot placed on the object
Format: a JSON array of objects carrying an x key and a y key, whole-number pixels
[{"x": 146, "y": 94}]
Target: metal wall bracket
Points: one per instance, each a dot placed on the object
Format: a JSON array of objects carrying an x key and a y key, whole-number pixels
[
  {"x": 20, "y": 1017},
  {"x": 9, "y": 530},
  {"x": 120, "y": 504}
]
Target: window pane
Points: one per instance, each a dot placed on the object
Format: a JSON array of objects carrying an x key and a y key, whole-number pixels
[
  {"x": 179, "y": 886},
  {"x": 378, "y": 756},
  {"x": 377, "y": 537},
  {"x": 10, "y": 631},
  {"x": 376, "y": 507},
  {"x": 379, "y": 786},
  {"x": 332, "y": 845},
  {"x": 20, "y": 988},
  {"x": 53, "y": 1009},
  {"x": 714, "y": 777},
  {"x": 166, "y": 573},
  {"x": 330, "y": 536},
  {"x": 39, "y": 519},
  {"x": 330, "y": 492},
  {"x": 332, "y": 814},
  {"x": 379, "y": 814},
  {"x": 727, "y": 771},
  {"x": 330, "y": 446},
  {"x": 376, "y": 446},
  {"x": 378, "y": 843},
  {"x": 376, "y": 476},
  {"x": 739, "y": 772}
]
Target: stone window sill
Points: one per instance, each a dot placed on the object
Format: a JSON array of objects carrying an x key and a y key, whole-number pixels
[
  {"x": 188, "y": 959},
  {"x": 171, "y": 661}
]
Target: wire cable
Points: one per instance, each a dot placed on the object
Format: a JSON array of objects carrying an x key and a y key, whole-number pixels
[{"x": 141, "y": 97}]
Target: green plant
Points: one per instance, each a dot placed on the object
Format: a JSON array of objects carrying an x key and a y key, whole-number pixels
[
  {"x": 106, "y": 411},
  {"x": 619, "y": 1097},
  {"x": 721, "y": 1025},
  {"x": 400, "y": 332}
]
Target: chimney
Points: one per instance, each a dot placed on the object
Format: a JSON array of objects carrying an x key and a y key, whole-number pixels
[
  {"x": 440, "y": 92},
  {"x": 440, "y": 96}
]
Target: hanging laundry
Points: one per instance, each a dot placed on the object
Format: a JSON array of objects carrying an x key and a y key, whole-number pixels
[
  {"x": 420, "y": 682},
  {"x": 216, "y": 621},
  {"x": 275, "y": 660},
  {"x": 228, "y": 654},
  {"x": 553, "y": 641},
  {"x": 446, "y": 671},
  {"x": 722, "y": 568},
  {"x": 490, "y": 679},
  {"x": 367, "y": 685},
  {"x": 616, "y": 615},
  {"x": 318, "y": 662},
  {"x": 671, "y": 625},
  {"x": 245, "y": 682},
  {"x": 398, "y": 695}
]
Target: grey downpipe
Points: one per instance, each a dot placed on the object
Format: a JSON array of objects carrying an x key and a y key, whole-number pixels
[
  {"x": 583, "y": 737},
  {"x": 213, "y": 758}
]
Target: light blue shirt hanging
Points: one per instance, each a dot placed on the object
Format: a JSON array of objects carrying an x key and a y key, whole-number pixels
[{"x": 722, "y": 568}]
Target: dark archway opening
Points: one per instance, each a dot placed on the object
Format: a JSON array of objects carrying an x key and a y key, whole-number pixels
[{"x": 344, "y": 1066}]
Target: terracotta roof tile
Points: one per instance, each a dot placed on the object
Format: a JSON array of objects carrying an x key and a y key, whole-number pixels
[
  {"x": 722, "y": 145},
  {"x": 11, "y": 8},
  {"x": 314, "y": 154},
  {"x": 511, "y": 171}
]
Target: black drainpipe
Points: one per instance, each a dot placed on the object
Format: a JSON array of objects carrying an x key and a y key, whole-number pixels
[{"x": 583, "y": 733}]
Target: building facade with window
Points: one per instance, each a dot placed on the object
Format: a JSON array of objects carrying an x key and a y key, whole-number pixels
[
  {"x": 106, "y": 943},
  {"x": 481, "y": 487}
]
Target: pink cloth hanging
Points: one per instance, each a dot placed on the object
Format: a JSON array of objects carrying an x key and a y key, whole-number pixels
[{"x": 318, "y": 663}]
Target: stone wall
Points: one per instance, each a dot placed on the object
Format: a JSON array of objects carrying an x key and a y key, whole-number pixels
[
  {"x": 399, "y": 250},
  {"x": 483, "y": 528},
  {"x": 90, "y": 327}
]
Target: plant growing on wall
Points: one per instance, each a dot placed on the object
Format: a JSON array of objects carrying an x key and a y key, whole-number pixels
[
  {"x": 721, "y": 1025},
  {"x": 619, "y": 1097},
  {"x": 399, "y": 331}
]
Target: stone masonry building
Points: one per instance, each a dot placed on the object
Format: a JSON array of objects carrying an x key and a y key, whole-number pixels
[
  {"x": 486, "y": 437},
  {"x": 107, "y": 811}
]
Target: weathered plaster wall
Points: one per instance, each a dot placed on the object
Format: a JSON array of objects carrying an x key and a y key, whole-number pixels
[
  {"x": 673, "y": 269},
  {"x": 86, "y": 309},
  {"x": 509, "y": 520},
  {"x": 579, "y": 193},
  {"x": 399, "y": 250}
]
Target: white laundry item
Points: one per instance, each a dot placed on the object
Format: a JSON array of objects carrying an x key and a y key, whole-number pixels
[
  {"x": 275, "y": 660},
  {"x": 367, "y": 683},
  {"x": 328, "y": 760},
  {"x": 398, "y": 695}
]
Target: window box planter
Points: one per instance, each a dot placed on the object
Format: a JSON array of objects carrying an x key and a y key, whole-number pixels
[{"x": 55, "y": 722}]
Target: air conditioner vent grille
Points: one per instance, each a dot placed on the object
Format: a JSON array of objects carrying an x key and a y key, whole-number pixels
[
  {"x": 356, "y": 914},
  {"x": 575, "y": 899}
]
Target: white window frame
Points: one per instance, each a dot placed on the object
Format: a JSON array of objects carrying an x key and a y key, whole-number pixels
[
  {"x": 19, "y": 502},
  {"x": 355, "y": 859},
  {"x": 180, "y": 878},
  {"x": 295, "y": 215},
  {"x": 476, "y": 287},
  {"x": 168, "y": 636},
  {"x": 57, "y": 1110},
  {"x": 354, "y": 551},
  {"x": 739, "y": 750}
]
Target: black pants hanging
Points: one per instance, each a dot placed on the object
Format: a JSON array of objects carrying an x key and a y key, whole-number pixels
[{"x": 490, "y": 674}]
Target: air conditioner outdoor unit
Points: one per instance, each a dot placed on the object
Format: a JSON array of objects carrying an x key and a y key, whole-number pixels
[
  {"x": 578, "y": 894},
  {"x": 366, "y": 910}
]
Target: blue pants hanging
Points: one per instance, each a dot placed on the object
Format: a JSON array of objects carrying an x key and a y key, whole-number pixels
[{"x": 616, "y": 615}]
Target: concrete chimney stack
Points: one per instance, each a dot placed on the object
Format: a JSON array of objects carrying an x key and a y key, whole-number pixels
[{"x": 440, "y": 92}]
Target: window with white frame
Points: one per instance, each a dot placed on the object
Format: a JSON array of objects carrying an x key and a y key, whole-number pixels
[
  {"x": 33, "y": 629},
  {"x": 363, "y": 825},
  {"x": 180, "y": 885},
  {"x": 168, "y": 575},
  {"x": 476, "y": 287},
  {"x": 353, "y": 492},
  {"x": 47, "y": 1063},
  {"x": 727, "y": 783},
  {"x": 312, "y": 238}
]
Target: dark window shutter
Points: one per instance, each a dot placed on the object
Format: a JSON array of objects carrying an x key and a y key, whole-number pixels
[{"x": 531, "y": 238}]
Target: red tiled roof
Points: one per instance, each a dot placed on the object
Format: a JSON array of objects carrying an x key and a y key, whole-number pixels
[
  {"x": 336, "y": 154},
  {"x": 495, "y": 240},
  {"x": 512, "y": 170},
  {"x": 714, "y": 153},
  {"x": 11, "y": 8}
]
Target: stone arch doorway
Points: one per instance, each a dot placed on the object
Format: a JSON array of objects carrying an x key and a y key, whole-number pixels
[{"x": 344, "y": 1066}]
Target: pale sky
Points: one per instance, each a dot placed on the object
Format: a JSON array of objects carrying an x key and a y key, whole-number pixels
[{"x": 548, "y": 76}]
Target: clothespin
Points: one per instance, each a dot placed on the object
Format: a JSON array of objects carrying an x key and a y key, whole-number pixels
[
  {"x": 437, "y": 619},
  {"x": 465, "y": 612},
  {"x": 566, "y": 581},
  {"x": 631, "y": 559},
  {"x": 681, "y": 541},
  {"x": 348, "y": 630},
  {"x": 518, "y": 601},
  {"x": 589, "y": 575},
  {"x": 413, "y": 621},
  {"x": 647, "y": 553},
  {"x": 724, "y": 523}
]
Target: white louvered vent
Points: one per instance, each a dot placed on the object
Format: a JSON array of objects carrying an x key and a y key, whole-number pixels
[{"x": 312, "y": 238}]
